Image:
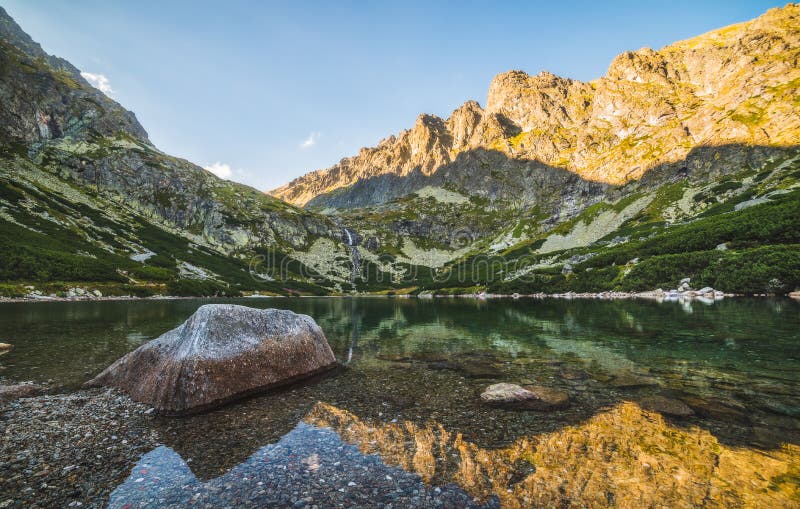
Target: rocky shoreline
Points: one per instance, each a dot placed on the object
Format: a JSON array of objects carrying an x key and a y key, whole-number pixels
[
  {"x": 69, "y": 450},
  {"x": 706, "y": 295},
  {"x": 659, "y": 295},
  {"x": 91, "y": 298},
  {"x": 87, "y": 448}
]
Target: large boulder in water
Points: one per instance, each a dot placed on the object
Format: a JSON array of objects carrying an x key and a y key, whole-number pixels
[{"x": 221, "y": 353}]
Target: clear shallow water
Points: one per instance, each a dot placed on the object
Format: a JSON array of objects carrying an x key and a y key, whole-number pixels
[{"x": 413, "y": 370}]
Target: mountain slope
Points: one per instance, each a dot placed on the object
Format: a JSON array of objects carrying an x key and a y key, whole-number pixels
[
  {"x": 34, "y": 88},
  {"x": 733, "y": 86},
  {"x": 682, "y": 162},
  {"x": 73, "y": 160},
  {"x": 554, "y": 171}
]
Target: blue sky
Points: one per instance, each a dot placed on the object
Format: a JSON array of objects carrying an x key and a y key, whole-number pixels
[{"x": 270, "y": 91}]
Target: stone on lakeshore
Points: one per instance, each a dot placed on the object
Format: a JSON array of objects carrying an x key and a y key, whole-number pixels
[
  {"x": 5, "y": 347},
  {"x": 221, "y": 353},
  {"x": 531, "y": 397},
  {"x": 666, "y": 406}
]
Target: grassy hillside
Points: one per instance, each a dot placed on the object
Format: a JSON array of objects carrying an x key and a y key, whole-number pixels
[
  {"x": 55, "y": 235},
  {"x": 738, "y": 234},
  {"x": 761, "y": 253}
]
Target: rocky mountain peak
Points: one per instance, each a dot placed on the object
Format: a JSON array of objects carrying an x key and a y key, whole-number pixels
[
  {"x": 429, "y": 121},
  {"x": 80, "y": 178},
  {"x": 463, "y": 123},
  {"x": 11, "y": 32},
  {"x": 59, "y": 102},
  {"x": 642, "y": 66},
  {"x": 737, "y": 85},
  {"x": 470, "y": 105},
  {"x": 541, "y": 101}
]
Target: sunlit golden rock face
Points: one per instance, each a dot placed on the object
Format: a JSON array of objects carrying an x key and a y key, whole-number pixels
[
  {"x": 739, "y": 85},
  {"x": 623, "y": 457}
]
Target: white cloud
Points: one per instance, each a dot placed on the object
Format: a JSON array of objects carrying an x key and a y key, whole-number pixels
[
  {"x": 99, "y": 81},
  {"x": 310, "y": 141},
  {"x": 219, "y": 169}
]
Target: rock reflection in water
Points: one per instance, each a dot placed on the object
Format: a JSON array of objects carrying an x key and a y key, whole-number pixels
[
  {"x": 623, "y": 457},
  {"x": 307, "y": 466}
]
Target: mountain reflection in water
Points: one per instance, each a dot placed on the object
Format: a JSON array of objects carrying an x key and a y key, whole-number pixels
[
  {"x": 413, "y": 371},
  {"x": 624, "y": 457},
  {"x": 307, "y": 466}
]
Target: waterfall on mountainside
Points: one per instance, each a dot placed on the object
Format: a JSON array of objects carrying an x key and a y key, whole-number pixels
[{"x": 352, "y": 242}]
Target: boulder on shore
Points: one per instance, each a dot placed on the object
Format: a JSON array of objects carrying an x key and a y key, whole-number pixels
[
  {"x": 524, "y": 398},
  {"x": 221, "y": 353}
]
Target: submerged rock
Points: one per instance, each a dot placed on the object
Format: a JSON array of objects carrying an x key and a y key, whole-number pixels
[
  {"x": 726, "y": 411},
  {"x": 666, "y": 406},
  {"x": 478, "y": 369},
  {"x": 573, "y": 374},
  {"x": 629, "y": 380},
  {"x": 16, "y": 391},
  {"x": 531, "y": 397},
  {"x": 221, "y": 353}
]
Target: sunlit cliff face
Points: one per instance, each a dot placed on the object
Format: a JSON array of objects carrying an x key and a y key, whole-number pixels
[
  {"x": 623, "y": 457},
  {"x": 736, "y": 85}
]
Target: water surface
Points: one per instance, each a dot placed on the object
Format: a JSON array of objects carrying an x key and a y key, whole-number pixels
[{"x": 413, "y": 370}]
